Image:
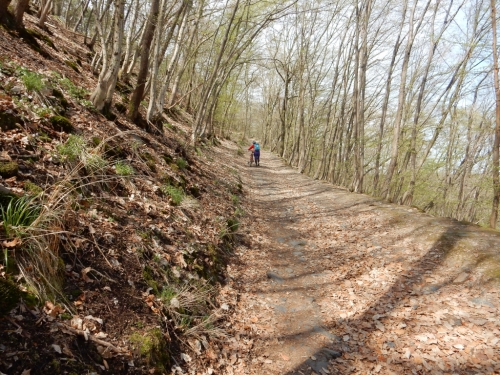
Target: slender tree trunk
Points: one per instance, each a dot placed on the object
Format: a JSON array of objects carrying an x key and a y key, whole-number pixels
[
  {"x": 102, "y": 94},
  {"x": 45, "y": 13},
  {"x": 209, "y": 86},
  {"x": 82, "y": 16},
  {"x": 145, "y": 46},
  {"x": 386, "y": 101},
  {"x": 160, "y": 48},
  {"x": 401, "y": 100},
  {"x": 496, "y": 142},
  {"x": 173, "y": 62}
]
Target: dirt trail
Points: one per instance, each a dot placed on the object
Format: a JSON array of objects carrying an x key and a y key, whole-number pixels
[{"x": 341, "y": 283}]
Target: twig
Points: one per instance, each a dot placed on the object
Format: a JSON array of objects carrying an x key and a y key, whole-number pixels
[{"x": 91, "y": 338}]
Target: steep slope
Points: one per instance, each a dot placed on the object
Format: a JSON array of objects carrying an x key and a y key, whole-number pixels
[{"x": 116, "y": 238}]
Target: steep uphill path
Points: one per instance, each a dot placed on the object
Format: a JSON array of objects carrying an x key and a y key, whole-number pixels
[{"x": 340, "y": 283}]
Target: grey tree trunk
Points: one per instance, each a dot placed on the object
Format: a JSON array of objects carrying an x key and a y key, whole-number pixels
[
  {"x": 496, "y": 142},
  {"x": 102, "y": 95},
  {"x": 145, "y": 47},
  {"x": 45, "y": 13}
]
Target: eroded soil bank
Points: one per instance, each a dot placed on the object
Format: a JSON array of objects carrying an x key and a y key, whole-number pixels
[{"x": 340, "y": 283}]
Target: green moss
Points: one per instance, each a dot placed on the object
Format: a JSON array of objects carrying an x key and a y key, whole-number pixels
[
  {"x": 96, "y": 141},
  {"x": 149, "y": 160},
  {"x": 152, "y": 347},
  {"x": 233, "y": 224},
  {"x": 235, "y": 199},
  {"x": 30, "y": 38},
  {"x": 40, "y": 36},
  {"x": 168, "y": 159},
  {"x": 176, "y": 195},
  {"x": 73, "y": 90},
  {"x": 55, "y": 365},
  {"x": 8, "y": 169},
  {"x": 124, "y": 169},
  {"x": 61, "y": 123},
  {"x": 60, "y": 96},
  {"x": 44, "y": 137},
  {"x": 32, "y": 188},
  {"x": 65, "y": 316},
  {"x": 147, "y": 273},
  {"x": 181, "y": 163},
  {"x": 72, "y": 65}
]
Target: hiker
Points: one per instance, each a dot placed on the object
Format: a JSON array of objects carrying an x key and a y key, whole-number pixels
[{"x": 255, "y": 148}]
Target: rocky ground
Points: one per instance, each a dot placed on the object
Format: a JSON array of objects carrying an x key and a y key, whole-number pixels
[{"x": 341, "y": 283}]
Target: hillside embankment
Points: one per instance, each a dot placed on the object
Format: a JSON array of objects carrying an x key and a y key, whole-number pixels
[{"x": 114, "y": 240}]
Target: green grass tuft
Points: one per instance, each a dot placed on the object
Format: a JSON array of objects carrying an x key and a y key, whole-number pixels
[
  {"x": 181, "y": 163},
  {"x": 124, "y": 169},
  {"x": 175, "y": 194},
  {"x": 19, "y": 214},
  {"x": 32, "y": 81},
  {"x": 73, "y": 148}
]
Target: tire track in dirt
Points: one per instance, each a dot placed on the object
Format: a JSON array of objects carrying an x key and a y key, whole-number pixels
[{"x": 341, "y": 283}]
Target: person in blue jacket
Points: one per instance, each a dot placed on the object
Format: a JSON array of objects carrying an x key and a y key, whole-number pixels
[{"x": 255, "y": 148}]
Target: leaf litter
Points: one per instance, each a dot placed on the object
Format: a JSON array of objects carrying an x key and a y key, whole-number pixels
[{"x": 386, "y": 288}]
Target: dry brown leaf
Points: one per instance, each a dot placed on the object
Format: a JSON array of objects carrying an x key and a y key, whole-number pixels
[{"x": 10, "y": 244}]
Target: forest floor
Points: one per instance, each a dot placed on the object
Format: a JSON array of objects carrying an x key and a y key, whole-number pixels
[{"x": 343, "y": 283}]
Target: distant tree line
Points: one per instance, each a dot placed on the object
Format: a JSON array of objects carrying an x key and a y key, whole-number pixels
[{"x": 398, "y": 99}]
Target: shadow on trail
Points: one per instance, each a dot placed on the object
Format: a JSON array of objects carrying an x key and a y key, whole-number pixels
[
  {"x": 408, "y": 284},
  {"x": 392, "y": 299}
]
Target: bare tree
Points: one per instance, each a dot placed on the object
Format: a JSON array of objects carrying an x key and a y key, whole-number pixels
[
  {"x": 45, "y": 8},
  {"x": 145, "y": 46},
  {"x": 102, "y": 95},
  {"x": 496, "y": 143}
]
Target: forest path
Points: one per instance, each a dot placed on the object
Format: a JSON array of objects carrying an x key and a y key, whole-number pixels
[{"x": 333, "y": 282}]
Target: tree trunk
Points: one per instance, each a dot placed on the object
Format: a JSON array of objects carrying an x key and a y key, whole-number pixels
[
  {"x": 496, "y": 142},
  {"x": 19, "y": 8},
  {"x": 45, "y": 13},
  {"x": 102, "y": 94},
  {"x": 401, "y": 98},
  {"x": 145, "y": 46},
  {"x": 4, "y": 4},
  {"x": 82, "y": 16}
]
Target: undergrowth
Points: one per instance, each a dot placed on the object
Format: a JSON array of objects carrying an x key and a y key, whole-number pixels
[{"x": 175, "y": 194}]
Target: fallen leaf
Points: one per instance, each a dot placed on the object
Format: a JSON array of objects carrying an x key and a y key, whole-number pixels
[{"x": 9, "y": 244}]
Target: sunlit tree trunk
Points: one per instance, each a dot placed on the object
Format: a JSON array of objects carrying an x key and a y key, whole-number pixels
[
  {"x": 102, "y": 95},
  {"x": 145, "y": 47},
  {"x": 496, "y": 142},
  {"x": 46, "y": 8}
]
